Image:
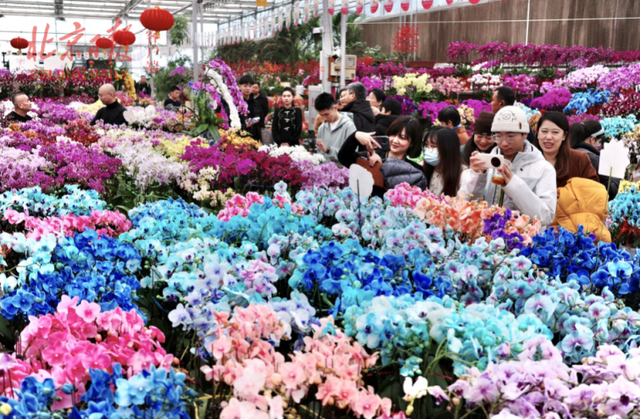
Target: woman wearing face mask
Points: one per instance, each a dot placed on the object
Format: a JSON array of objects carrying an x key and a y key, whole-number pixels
[
  {"x": 405, "y": 140},
  {"x": 585, "y": 136},
  {"x": 481, "y": 141},
  {"x": 553, "y": 140},
  {"x": 442, "y": 165}
]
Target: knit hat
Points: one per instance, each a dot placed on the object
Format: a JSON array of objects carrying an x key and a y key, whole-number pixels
[
  {"x": 482, "y": 126},
  {"x": 510, "y": 119}
]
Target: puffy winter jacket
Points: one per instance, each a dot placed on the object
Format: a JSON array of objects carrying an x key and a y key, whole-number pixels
[
  {"x": 583, "y": 201},
  {"x": 396, "y": 171},
  {"x": 532, "y": 190}
]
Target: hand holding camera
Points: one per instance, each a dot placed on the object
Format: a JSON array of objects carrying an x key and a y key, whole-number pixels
[{"x": 480, "y": 162}]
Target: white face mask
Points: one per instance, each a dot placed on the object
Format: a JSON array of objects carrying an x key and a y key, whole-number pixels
[{"x": 430, "y": 156}]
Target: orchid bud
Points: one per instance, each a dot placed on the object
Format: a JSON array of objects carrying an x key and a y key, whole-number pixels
[{"x": 276, "y": 379}]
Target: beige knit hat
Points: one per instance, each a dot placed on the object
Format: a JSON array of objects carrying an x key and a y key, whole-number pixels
[{"x": 510, "y": 119}]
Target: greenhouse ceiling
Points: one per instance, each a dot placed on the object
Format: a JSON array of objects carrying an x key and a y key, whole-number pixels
[{"x": 214, "y": 11}]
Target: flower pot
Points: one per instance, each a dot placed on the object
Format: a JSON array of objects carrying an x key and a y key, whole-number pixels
[
  {"x": 594, "y": 110},
  {"x": 630, "y": 250}
]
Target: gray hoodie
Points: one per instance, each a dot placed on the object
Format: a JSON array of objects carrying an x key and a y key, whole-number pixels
[
  {"x": 334, "y": 139},
  {"x": 532, "y": 190}
]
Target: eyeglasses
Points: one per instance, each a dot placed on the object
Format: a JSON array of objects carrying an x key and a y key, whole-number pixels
[{"x": 509, "y": 138}]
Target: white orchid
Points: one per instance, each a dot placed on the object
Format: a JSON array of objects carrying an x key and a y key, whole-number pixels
[
  {"x": 297, "y": 153},
  {"x": 217, "y": 82},
  {"x": 415, "y": 390}
]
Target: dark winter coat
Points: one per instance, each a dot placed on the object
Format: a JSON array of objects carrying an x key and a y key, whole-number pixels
[
  {"x": 594, "y": 156},
  {"x": 362, "y": 115}
]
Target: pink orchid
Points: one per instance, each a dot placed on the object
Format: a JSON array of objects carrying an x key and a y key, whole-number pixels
[
  {"x": 366, "y": 404},
  {"x": 88, "y": 311},
  {"x": 78, "y": 337}
]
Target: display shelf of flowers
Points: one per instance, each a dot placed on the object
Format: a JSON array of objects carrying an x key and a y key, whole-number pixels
[{"x": 146, "y": 272}]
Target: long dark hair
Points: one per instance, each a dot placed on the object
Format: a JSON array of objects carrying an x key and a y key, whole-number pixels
[
  {"x": 450, "y": 164},
  {"x": 412, "y": 131},
  {"x": 580, "y": 131},
  {"x": 562, "y": 159},
  {"x": 470, "y": 147}
]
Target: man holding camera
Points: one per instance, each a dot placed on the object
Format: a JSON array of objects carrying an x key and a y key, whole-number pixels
[
  {"x": 334, "y": 130},
  {"x": 515, "y": 174}
]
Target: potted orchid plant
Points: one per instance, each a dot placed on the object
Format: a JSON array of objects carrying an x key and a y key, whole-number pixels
[{"x": 209, "y": 98}]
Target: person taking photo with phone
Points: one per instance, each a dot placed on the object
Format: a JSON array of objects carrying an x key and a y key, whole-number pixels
[
  {"x": 287, "y": 121},
  {"x": 481, "y": 140},
  {"x": 405, "y": 140},
  {"x": 442, "y": 162},
  {"x": 524, "y": 180}
]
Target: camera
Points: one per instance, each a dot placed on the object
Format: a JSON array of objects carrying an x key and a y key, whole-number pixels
[
  {"x": 318, "y": 31},
  {"x": 492, "y": 161},
  {"x": 310, "y": 144}
]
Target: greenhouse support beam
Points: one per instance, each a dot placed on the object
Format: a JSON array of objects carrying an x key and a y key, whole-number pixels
[
  {"x": 194, "y": 40},
  {"x": 343, "y": 49},
  {"x": 127, "y": 8},
  {"x": 327, "y": 47}
]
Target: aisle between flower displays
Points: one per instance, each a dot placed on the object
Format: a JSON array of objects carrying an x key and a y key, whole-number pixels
[{"x": 151, "y": 274}]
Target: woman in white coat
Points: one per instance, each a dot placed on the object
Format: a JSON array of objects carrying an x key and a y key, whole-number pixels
[{"x": 528, "y": 184}]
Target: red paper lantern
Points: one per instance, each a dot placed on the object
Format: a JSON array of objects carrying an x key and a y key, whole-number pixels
[
  {"x": 157, "y": 19},
  {"x": 104, "y": 43},
  {"x": 125, "y": 38},
  {"x": 19, "y": 44}
]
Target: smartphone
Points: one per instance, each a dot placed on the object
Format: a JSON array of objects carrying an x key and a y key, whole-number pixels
[
  {"x": 253, "y": 120},
  {"x": 383, "y": 140}
]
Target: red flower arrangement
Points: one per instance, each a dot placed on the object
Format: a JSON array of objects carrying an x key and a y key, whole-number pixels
[
  {"x": 80, "y": 131},
  {"x": 622, "y": 105},
  {"x": 256, "y": 168},
  {"x": 405, "y": 42}
]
